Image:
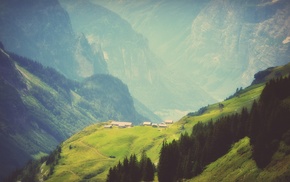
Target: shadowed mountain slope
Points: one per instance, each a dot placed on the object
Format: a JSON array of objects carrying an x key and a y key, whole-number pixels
[{"x": 40, "y": 108}]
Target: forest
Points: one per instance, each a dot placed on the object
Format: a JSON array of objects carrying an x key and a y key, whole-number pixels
[
  {"x": 267, "y": 123},
  {"x": 131, "y": 170}
]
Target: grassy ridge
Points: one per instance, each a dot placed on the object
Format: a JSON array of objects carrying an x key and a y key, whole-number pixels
[
  {"x": 235, "y": 104},
  {"x": 86, "y": 154}
]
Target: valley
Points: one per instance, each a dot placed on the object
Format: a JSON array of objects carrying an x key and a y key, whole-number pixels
[{"x": 79, "y": 77}]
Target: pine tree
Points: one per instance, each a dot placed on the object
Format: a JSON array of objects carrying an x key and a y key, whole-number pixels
[
  {"x": 134, "y": 170},
  {"x": 149, "y": 170},
  {"x": 162, "y": 165},
  {"x": 254, "y": 123},
  {"x": 112, "y": 175}
]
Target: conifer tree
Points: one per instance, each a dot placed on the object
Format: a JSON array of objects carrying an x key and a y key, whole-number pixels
[{"x": 149, "y": 170}]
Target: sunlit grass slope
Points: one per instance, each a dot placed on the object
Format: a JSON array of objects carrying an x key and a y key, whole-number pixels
[
  {"x": 237, "y": 165},
  {"x": 90, "y": 153},
  {"x": 86, "y": 155},
  {"x": 231, "y": 106}
]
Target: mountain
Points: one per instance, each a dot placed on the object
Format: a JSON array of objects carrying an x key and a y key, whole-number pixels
[
  {"x": 238, "y": 41},
  {"x": 130, "y": 58},
  {"x": 167, "y": 52},
  {"x": 165, "y": 23},
  {"x": 98, "y": 155},
  {"x": 80, "y": 39},
  {"x": 267, "y": 125},
  {"x": 215, "y": 45},
  {"x": 41, "y": 31},
  {"x": 40, "y": 108}
]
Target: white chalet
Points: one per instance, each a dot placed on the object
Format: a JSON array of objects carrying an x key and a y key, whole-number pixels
[
  {"x": 162, "y": 125},
  {"x": 168, "y": 121},
  {"x": 122, "y": 124},
  {"x": 147, "y": 123},
  {"x": 108, "y": 126}
]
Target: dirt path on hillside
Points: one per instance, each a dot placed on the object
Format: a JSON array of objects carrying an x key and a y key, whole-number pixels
[
  {"x": 94, "y": 149},
  {"x": 74, "y": 174},
  {"x": 69, "y": 171}
]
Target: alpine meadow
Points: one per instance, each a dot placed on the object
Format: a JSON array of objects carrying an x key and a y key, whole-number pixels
[{"x": 145, "y": 90}]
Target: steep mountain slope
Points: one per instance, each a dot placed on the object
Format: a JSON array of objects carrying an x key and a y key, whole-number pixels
[
  {"x": 40, "y": 108},
  {"x": 41, "y": 30},
  {"x": 129, "y": 58},
  {"x": 220, "y": 43},
  {"x": 266, "y": 124},
  {"x": 240, "y": 40},
  {"x": 166, "y": 24},
  {"x": 99, "y": 154},
  {"x": 219, "y": 50},
  {"x": 236, "y": 164}
]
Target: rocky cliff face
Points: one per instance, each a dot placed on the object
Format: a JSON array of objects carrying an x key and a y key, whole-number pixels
[
  {"x": 130, "y": 58},
  {"x": 236, "y": 40},
  {"x": 214, "y": 45},
  {"x": 41, "y": 30},
  {"x": 187, "y": 53}
]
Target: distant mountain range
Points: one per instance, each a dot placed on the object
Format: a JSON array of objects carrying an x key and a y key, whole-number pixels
[
  {"x": 181, "y": 53},
  {"x": 165, "y": 51},
  {"x": 41, "y": 31},
  {"x": 213, "y": 45},
  {"x": 130, "y": 58}
]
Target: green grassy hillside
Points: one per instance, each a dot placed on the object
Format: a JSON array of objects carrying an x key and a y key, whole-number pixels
[
  {"x": 238, "y": 165},
  {"x": 86, "y": 154},
  {"x": 89, "y": 154},
  {"x": 244, "y": 99}
]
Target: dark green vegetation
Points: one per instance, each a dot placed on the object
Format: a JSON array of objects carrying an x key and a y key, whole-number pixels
[
  {"x": 267, "y": 124},
  {"x": 131, "y": 170},
  {"x": 39, "y": 108}
]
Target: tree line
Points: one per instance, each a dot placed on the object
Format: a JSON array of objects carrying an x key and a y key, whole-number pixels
[
  {"x": 132, "y": 170},
  {"x": 267, "y": 123}
]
